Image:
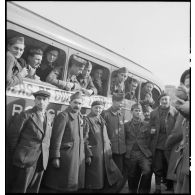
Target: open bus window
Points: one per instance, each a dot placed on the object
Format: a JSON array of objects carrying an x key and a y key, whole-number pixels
[
  {"x": 149, "y": 94},
  {"x": 39, "y": 69},
  {"x": 126, "y": 84}
]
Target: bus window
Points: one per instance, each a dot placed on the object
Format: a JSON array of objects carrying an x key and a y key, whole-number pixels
[
  {"x": 149, "y": 94},
  {"x": 100, "y": 77},
  {"x": 52, "y": 57}
]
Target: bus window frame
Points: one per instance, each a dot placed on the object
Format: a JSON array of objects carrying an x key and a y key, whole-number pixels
[
  {"x": 93, "y": 60},
  {"x": 39, "y": 37}
]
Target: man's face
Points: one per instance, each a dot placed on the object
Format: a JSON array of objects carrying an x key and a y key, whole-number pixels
[
  {"x": 118, "y": 104},
  {"x": 35, "y": 61},
  {"x": 165, "y": 101},
  {"x": 122, "y": 77},
  {"x": 149, "y": 87},
  {"x": 187, "y": 83},
  {"x": 133, "y": 86},
  {"x": 41, "y": 102},
  {"x": 87, "y": 70},
  {"x": 97, "y": 110},
  {"x": 16, "y": 49},
  {"x": 52, "y": 56},
  {"x": 77, "y": 69},
  {"x": 137, "y": 112},
  {"x": 76, "y": 105},
  {"x": 98, "y": 74}
]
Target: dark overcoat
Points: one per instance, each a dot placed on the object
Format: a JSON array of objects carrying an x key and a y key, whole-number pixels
[
  {"x": 27, "y": 139},
  {"x": 155, "y": 123},
  {"x": 67, "y": 144},
  {"x": 92, "y": 172},
  {"x": 172, "y": 143}
]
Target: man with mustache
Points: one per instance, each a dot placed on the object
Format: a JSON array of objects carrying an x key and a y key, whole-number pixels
[{"x": 66, "y": 169}]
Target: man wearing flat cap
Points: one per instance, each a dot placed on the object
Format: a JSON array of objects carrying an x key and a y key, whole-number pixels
[
  {"x": 138, "y": 154},
  {"x": 66, "y": 170},
  {"x": 118, "y": 81},
  {"x": 100, "y": 167},
  {"x": 162, "y": 122},
  {"x": 115, "y": 127},
  {"x": 28, "y": 141}
]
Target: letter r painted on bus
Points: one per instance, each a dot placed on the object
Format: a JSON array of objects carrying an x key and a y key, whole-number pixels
[{"x": 16, "y": 109}]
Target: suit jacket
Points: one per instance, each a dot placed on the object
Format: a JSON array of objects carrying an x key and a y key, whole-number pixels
[
  {"x": 27, "y": 139},
  {"x": 155, "y": 123},
  {"x": 143, "y": 138},
  {"x": 13, "y": 69}
]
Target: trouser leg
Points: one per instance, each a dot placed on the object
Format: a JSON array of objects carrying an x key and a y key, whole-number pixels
[
  {"x": 145, "y": 181},
  {"x": 118, "y": 159}
]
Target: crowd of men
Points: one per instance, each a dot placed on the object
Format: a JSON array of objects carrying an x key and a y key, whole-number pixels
[{"x": 97, "y": 152}]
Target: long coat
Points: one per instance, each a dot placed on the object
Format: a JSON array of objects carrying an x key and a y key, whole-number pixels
[
  {"x": 13, "y": 69},
  {"x": 115, "y": 129},
  {"x": 155, "y": 123},
  {"x": 172, "y": 143},
  {"x": 67, "y": 144},
  {"x": 93, "y": 172},
  {"x": 27, "y": 139}
]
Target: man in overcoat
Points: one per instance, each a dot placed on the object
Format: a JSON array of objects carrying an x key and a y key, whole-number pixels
[
  {"x": 66, "y": 170},
  {"x": 101, "y": 171},
  {"x": 29, "y": 140},
  {"x": 162, "y": 122}
]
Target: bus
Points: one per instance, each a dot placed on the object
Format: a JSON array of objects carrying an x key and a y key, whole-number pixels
[{"x": 41, "y": 32}]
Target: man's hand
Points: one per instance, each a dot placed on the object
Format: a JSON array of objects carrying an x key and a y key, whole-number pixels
[
  {"x": 56, "y": 163},
  {"x": 88, "y": 161},
  {"x": 24, "y": 72},
  {"x": 86, "y": 91}
]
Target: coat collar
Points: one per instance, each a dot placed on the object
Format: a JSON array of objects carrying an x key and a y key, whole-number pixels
[
  {"x": 72, "y": 114},
  {"x": 118, "y": 112}
]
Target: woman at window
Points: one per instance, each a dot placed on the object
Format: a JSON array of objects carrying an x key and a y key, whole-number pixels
[{"x": 15, "y": 72}]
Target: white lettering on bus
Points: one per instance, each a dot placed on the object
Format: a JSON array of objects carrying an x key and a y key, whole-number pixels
[{"x": 16, "y": 109}]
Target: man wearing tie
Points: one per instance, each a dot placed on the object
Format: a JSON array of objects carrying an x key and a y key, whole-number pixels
[{"x": 29, "y": 140}]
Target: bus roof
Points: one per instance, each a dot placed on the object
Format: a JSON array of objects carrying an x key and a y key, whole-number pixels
[{"x": 30, "y": 20}]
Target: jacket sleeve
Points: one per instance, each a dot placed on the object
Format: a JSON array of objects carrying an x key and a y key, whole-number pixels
[
  {"x": 91, "y": 86},
  {"x": 12, "y": 80},
  {"x": 86, "y": 128},
  {"x": 53, "y": 78},
  {"x": 176, "y": 134},
  {"x": 13, "y": 132},
  {"x": 57, "y": 135}
]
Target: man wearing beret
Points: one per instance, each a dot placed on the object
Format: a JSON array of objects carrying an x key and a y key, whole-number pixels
[
  {"x": 100, "y": 167},
  {"x": 118, "y": 82},
  {"x": 138, "y": 153},
  {"x": 29, "y": 140},
  {"x": 162, "y": 122},
  {"x": 66, "y": 170},
  {"x": 85, "y": 80}
]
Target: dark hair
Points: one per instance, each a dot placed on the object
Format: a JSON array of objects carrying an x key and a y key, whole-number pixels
[
  {"x": 184, "y": 74},
  {"x": 149, "y": 83},
  {"x": 35, "y": 51},
  {"x": 51, "y": 48}
]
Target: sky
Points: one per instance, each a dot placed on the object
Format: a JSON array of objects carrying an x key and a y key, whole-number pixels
[{"x": 153, "y": 34}]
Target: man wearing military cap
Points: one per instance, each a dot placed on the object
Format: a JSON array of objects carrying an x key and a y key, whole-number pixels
[
  {"x": 66, "y": 169},
  {"x": 138, "y": 154},
  {"x": 118, "y": 81},
  {"x": 115, "y": 126},
  {"x": 28, "y": 141},
  {"x": 162, "y": 122},
  {"x": 76, "y": 66},
  {"x": 100, "y": 167}
]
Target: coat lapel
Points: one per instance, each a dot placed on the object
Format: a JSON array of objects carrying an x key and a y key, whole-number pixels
[{"x": 37, "y": 121}]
